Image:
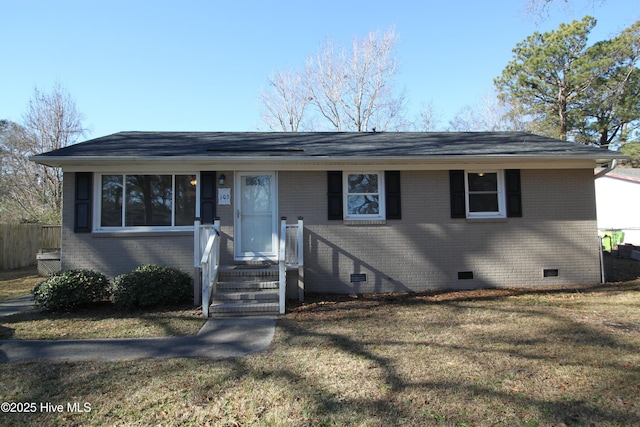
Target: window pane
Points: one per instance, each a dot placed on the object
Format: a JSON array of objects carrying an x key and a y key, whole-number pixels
[
  {"x": 483, "y": 181},
  {"x": 363, "y": 205},
  {"x": 185, "y": 205},
  {"x": 483, "y": 203},
  {"x": 148, "y": 200},
  {"x": 256, "y": 194},
  {"x": 363, "y": 183},
  {"x": 111, "y": 206}
]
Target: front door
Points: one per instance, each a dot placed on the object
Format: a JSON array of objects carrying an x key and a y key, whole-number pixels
[{"x": 256, "y": 234}]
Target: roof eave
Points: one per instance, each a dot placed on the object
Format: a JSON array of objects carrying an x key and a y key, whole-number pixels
[{"x": 62, "y": 161}]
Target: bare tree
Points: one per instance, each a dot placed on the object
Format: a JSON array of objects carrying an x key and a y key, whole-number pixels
[
  {"x": 428, "y": 119},
  {"x": 31, "y": 192},
  {"x": 540, "y": 8},
  {"x": 491, "y": 114},
  {"x": 285, "y": 101},
  {"x": 353, "y": 89},
  {"x": 349, "y": 89}
]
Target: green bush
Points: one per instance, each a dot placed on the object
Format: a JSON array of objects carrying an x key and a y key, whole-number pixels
[
  {"x": 69, "y": 289},
  {"x": 152, "y": 285}
]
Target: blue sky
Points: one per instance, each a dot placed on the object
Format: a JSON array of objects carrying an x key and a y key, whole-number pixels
[{"x": 199, "y": 65}]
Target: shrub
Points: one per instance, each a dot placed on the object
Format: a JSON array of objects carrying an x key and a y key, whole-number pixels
[
  {"x": 152, "y": 285},
  {"x": 69, "y": 289}
]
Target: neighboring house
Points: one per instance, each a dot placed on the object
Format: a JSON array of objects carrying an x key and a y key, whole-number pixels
[
  {"x": 400, "y": 211},
  {"x": 618, "y": 203}
]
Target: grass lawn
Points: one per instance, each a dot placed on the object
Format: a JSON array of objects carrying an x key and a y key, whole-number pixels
[
  {"x": 18, "y": 282},
  {"x": 496, "y": 357},
  {"x": 102, "y": 321}
]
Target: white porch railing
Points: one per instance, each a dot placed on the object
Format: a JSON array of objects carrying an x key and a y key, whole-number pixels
[
  {"x": 294, "y": 254},
  {"x": 290, "y": 255},
  {"x": 207, "y": 258}
]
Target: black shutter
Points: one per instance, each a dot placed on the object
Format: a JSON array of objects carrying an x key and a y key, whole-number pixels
[
  {"x": 456, "y": 186},
  {"x": 334, "y": 194},
  {"x": 514, "y": 197},
  {"x": 82, "y": 210},
  {"x": 207, "y": 196},
  {"x": 392, "y": 194}
]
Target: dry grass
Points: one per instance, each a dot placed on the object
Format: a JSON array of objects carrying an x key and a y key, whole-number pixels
[
  {"x": 102, "y": 322},
  {"x": 19, "y": 282},
  {"x": 501, "y": 357},
  {"x": 95, "y": 322}
]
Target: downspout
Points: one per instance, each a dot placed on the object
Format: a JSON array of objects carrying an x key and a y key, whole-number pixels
[{"x": 611, "y": 166}]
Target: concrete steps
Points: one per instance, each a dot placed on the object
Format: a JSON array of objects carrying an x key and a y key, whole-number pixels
[{"x": 246, "y": 290}]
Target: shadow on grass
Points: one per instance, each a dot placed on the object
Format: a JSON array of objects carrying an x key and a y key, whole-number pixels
[
  {"x": 65, "y": 325},
  {"x": 567, "y": 409},
  {"x": 141, "y": 391},
  {"x": 6, "y": 333},
  {"x": 125, "y": 392},
  {"x": 569, "y": 334}
]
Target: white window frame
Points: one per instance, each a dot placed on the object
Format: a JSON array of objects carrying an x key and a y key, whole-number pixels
[
  {"x": 97, "y": 203},
  {"x": 381, "y": 215},
  {"x": 501, "y": 190}
]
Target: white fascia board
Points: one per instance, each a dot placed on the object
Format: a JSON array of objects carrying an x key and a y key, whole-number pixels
[{"x": 319, "y": 163}]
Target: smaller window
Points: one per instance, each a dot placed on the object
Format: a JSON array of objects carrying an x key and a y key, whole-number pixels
[
  {"x": 364, "y": 197},
  {"x": 484, "y": 191}
]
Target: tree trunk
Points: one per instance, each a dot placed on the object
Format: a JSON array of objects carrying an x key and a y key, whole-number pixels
[{"x": 562, "y": 110}]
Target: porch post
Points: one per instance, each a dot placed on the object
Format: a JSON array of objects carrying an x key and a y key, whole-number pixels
[
  {"x": 197, "y": 270},
  {"x": 282, "y": 268},
  {"x": 300, "y": 259}
]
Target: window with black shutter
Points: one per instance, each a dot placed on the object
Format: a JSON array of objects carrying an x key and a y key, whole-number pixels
[
  {"x": 363, "y": 195},
  {"x": 485, "y": 194}
]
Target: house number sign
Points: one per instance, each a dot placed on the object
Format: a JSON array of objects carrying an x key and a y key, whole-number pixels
[{"x": 224, "y": 196}]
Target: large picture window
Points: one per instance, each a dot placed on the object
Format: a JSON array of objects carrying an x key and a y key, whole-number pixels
[
  {"x": 132, "y": 200},
  {"x": 364, "y": 195}
]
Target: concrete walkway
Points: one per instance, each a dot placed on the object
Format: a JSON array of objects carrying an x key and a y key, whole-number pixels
[
  {"x": 219, "y": 338},
  {"x": 16, "y": 305}
]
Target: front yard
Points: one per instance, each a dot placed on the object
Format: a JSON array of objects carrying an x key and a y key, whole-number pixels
[{"x": 496, "y": 357}]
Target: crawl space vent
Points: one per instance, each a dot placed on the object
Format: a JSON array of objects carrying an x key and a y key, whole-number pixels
[{"x": 359, "y": 277}]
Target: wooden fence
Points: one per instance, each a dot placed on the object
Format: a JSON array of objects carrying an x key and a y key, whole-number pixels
[{"x": 19, "y": 243}]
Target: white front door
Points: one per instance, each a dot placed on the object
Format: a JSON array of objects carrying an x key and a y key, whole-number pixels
[{"x": 256, "y": 234}]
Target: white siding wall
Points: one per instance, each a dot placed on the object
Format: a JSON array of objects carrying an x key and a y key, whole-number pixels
[{"x": 618, "y": 203}]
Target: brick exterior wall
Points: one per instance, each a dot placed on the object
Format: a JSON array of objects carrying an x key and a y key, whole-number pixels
[
  {"x": 117, "y": 253},
  {"x": 424, "y": 250}
]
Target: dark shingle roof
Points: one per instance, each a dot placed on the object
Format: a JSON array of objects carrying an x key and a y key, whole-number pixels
[{"x": 378, "y": 145}]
